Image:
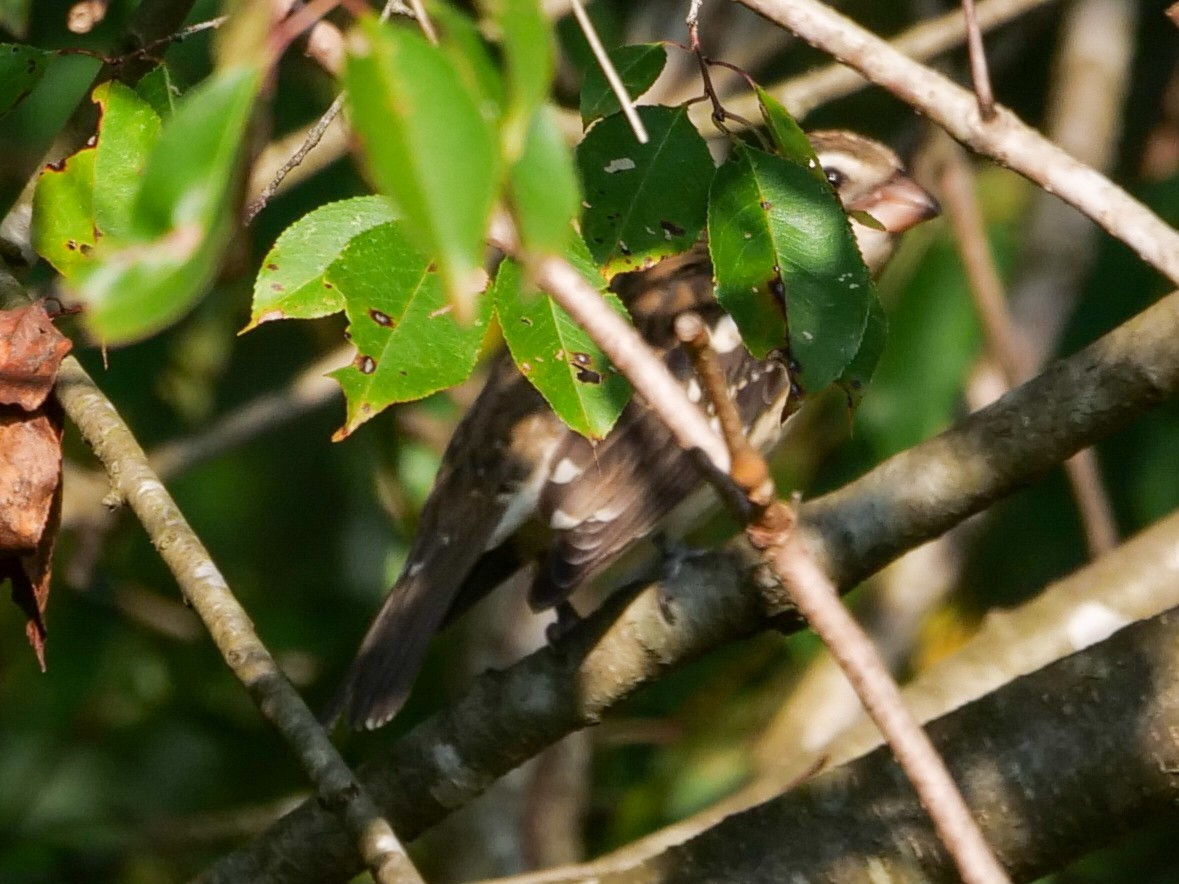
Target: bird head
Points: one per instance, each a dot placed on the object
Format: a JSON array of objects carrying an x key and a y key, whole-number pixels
[{"x": 870, "y": 178}]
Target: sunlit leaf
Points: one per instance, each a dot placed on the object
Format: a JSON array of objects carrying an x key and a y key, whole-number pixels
[
  {"x": 128, "y": 131},
  {"x": 21, "y": 69},
  {"x": 90, "y": 195},
  {"x": 556, "y": 355},
  {"x": 644, "y": 201},
  {"x": 428, "y": 146},
  {"x": 409, "y": 343},
  {"x": 291, "y": 283},
  {"x": 788, "y": 137},
  {"x": 638, "y": 66},
  {"x": 786, "y": 263},
  {"x": 464, "y": 45},
  {"x": 546, "y": 195},
  {"x": 523, "y": 32},
  {"x": 63, "y": 211},
  {"x": 181, "y": 219}
]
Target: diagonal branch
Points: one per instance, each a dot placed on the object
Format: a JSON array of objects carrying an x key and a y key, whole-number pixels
[
  {"x": 509, "y": 716},
  {"x": 205, "y": 589},
  {"x": 1005, "y": 138}
]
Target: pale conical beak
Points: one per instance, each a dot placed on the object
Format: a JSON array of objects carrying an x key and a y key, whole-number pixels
[{"x": 898, "y": 204}]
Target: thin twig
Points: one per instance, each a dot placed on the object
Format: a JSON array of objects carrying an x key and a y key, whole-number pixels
[
  {"x": 419, "y": 12},
  {"x": 308, "y": 145},
  {"x": 748, "y": 471},
  {"x": 1005, "y": 340},
  {"x": 818, "y": 600},
  {"x": 923, "y": 41},
  {"x": 623, "y": 345},
  {"x": 979, "y": 73},
  {"x": 607, "y": 66},
  {"x": 771, "y": 529},
  {"x": 205, "y": 589}
]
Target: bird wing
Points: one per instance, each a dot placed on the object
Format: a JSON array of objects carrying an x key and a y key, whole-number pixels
[
  {"x": 482, "y": 487},
  {"x": 600, "y": 499}
]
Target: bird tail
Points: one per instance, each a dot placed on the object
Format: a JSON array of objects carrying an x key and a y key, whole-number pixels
[{"x": 380, "y": 678}]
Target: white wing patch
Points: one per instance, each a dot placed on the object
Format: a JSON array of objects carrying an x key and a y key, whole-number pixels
[
  {"x": 725, "y": 337},
  {"x": 565, "y": 472}
]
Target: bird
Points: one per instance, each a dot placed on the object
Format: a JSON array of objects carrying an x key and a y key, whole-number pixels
[{"x": 517, "y": 486}]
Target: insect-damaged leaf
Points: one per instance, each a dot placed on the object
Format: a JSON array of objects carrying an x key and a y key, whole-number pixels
[
  {"x": 409, "y": 343},
  {"x": 292, "y": 282},
  {"x": 643, "y": 201},
  {"x": 180, "y": 220},
  {"x": 556, "y": 355}
]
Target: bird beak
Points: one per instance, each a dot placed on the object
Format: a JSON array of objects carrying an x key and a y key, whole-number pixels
[{"x": 898, "y": 204}]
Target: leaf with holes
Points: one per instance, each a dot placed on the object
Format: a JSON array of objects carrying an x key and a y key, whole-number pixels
[
  {"x": 428, "y": 146},
  {"x": 556, "y": 355},
  {"x": 409, "y": 342},
  {"x": 786, "y": 264},
  {"x": 21, "y": 69},
  {"x": 91, "y": 194},
  {"x": 181, "y": 219},
  {"x": 63, "y": 228},
  {"x": 292, "y": 283},
  {"x": 643, "y": 201},
  {"x": 638, "y": 66}
]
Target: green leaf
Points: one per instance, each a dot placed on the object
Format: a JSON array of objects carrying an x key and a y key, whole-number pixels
[
  {"x": 527, "y": 46},
  {"x": 638, "y": 66},
  {"x": 409, "y": 343},
  {"x": 63, "y": 211},
  {"x": 21, "y": 69},
  {"x": 858, "y": 374},
  {"x": 644, "y": 201},
  {"x": 158, "y": 89},
  {"x": 128, "y": 131},
  {"x": 181, "y": 218},
  {"x": 557, "y": 357},
  {"x": 787, "y": 267},
  {"x": 90, "y": 195},
  {"x": 545, "y": 191},
  {"x": 787, "y": 135},
  {"x": 292, "y": 282},
  {"x": 427, "y": 145},
  {"x": 468, "y": 52}
]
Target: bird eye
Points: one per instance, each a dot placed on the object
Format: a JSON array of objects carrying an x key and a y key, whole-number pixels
[{"x": 834, "y": 176}]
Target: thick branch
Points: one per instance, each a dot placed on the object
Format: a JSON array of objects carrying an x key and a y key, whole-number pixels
[
  {"x": 1087, "y": 743},
  {"x": 509, "y": 716}
]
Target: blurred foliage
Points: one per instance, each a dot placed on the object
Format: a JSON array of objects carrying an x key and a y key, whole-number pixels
[{"x": 137, "y": 758}]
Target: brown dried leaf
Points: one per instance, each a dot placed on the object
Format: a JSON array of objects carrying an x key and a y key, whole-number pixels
[
  {"x": 31, "y": 349},
  {"x": 30, "y": 509}
]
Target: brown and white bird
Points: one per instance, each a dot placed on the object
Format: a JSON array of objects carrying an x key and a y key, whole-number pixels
[{"x": 512, "y": 466}]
